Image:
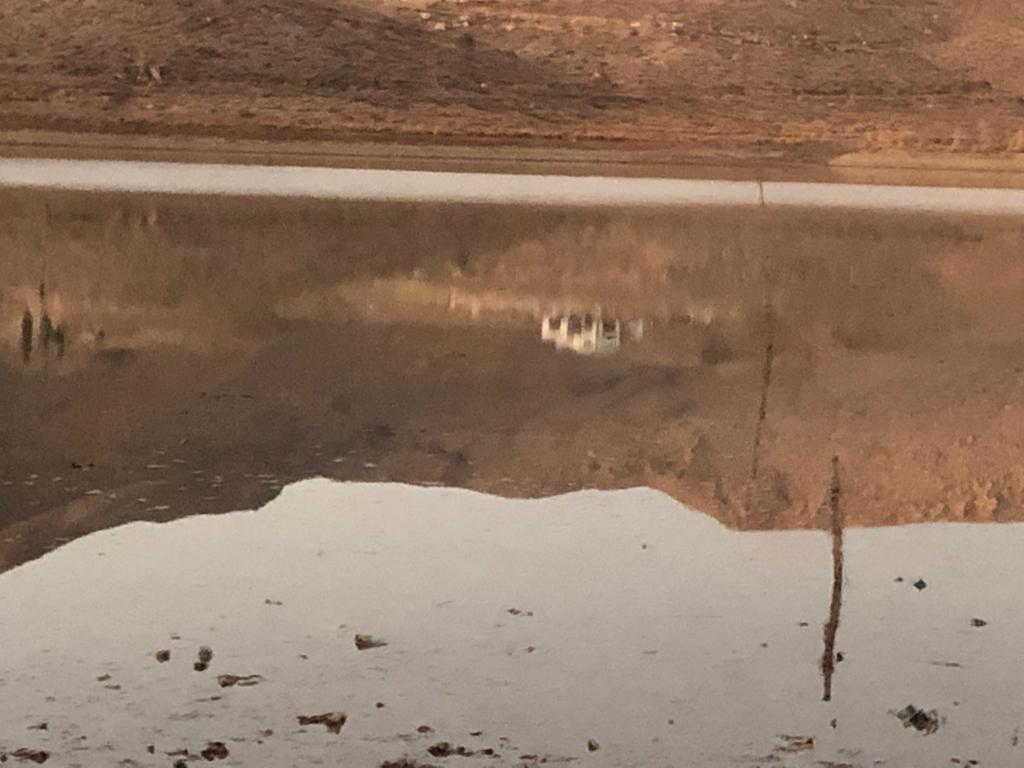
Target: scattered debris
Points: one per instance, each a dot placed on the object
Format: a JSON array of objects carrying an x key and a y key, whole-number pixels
[
  {"x": 151, "y": 749},
  {"x": 795, "y": 744},
  {"x": 380, "y": 705},
  {"x": 840, "y": 657},
  {"x": 898, "y": 579},
  {"x": 204, "y": 658},
  {"x": 831, "y": 627},
  {"x": 102, "y": 678},
  {"x": 834, "y": 723},
  {"x": 405, "y": 762},
  {"x": 976, "y": 622},
  {"x": 920, "y": 584},
  {"x": 424, "y": 729},
  {"x": 333, "y": 721},
  {"x": 215, "y": 750},
  {"x": 245, "y": 681},
  {"x": 366, "y": 642},
  {"x": 592, "y": 745},
  {"x": 162, "y": 656},
  {"x": 268, "y": 601},
  {"x": 445, "y": 749},
  {"x": 180, "y": 764},
  {"x": 925, "y": 722},
  {"x": 519, "y": 612},
  {"x": 476, "y": 733},
  {"x": 32, "y": 755},
  {"x": 39, "y": 727}
]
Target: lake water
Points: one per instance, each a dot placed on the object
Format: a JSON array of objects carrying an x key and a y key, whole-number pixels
[{"x": 710, "y": 450}]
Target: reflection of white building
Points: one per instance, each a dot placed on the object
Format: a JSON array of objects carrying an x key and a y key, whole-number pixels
[{"x": 583, "y": 334}]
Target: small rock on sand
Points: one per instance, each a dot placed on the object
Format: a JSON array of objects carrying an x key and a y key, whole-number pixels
[
  {"x": 245, "y": 681},
  {"x": 215, "y": 750},
  {"x": 31, "y": 755},
  {"x": 203, "y": 659},
  {"x": 366, "y": 642},
  {"x": 445, "y": 749},
  {"x": 333, "y": 721}
]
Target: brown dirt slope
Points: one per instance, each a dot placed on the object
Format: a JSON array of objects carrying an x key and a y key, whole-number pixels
[{"x": 796, "y": 79}]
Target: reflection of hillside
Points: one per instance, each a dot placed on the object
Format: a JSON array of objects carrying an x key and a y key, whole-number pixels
[{"x": 397, "y": 342}]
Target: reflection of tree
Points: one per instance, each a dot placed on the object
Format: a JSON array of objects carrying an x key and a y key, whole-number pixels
[
  {"x": 45, "y": 332},
  {"x": 59, "y": 340},
  {"x": 26, "y": 336}
]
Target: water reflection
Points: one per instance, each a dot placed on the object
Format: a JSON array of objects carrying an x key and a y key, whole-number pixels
[
  {"x": 771, "y": 371},
  {"x": 588, "y": 334},
  {"x": 720, "y": 357},
  {"x": 27, "y": 325}
]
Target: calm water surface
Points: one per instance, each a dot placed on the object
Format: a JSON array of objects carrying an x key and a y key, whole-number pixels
[{"x": 819, "y": 417}]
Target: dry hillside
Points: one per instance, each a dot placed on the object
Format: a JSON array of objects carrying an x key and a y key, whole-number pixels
[{"x": 796, "y": 79}]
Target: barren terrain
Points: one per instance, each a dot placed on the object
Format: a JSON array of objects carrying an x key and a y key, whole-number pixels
[{"x": 808, "y": 80}]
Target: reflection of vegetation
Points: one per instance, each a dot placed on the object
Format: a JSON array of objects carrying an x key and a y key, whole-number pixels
[
  {"x": 839, "y": 277},
  {"x": 26, "y": 336},
  {"x": 48, "y": 334},
  {"x": 716, "y": 350},
  {"x": 60, "y": 340},
  {"x": 45, "y": 332}
]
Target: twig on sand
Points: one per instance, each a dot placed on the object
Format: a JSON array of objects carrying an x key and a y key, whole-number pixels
[{"x": 828, "y": 659}]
